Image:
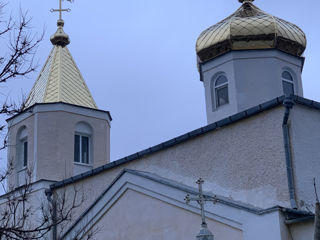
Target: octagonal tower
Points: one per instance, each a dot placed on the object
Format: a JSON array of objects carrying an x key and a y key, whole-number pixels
[{"x": 247, "y": 59}]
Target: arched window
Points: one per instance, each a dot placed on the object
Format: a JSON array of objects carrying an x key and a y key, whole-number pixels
[
  {"x": 287, "y": 83},
  {"x": 22, "y": 148},
  {"x": 221, "y": 91},
  {"x": 83, "y": 143}
]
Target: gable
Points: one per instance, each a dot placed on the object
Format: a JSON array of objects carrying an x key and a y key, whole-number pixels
[
  {"x": 141, "y": 205},
  {"x": 136, "y": 215},
  {"x": 137, "y": 199}
]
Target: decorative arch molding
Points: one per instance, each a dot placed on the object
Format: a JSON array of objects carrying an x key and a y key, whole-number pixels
[
  {"x": 83, "y": 127},
  {"x": 288, "y": 69},
  {"x": 22, "y": 132}
]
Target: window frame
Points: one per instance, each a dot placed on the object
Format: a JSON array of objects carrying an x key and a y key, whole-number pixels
[
  {"x": 81, "y": 162},
  {"x": 24, "y": 152},
  {"x": 288, "y": 81},
  {"x": 22, "y": 149},
  {"x": 215, "y": 91}
]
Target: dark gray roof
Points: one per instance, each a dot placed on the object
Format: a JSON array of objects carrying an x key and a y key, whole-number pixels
[
  {"x": 52, "y": 103},
  {"x": 190, "y": 135}
]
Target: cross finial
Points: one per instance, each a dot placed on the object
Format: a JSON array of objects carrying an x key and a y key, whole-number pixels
[
  {"x": 201, "y": 202},
  {"x": 60, "y": 10},
  {"x": 201, "y": 199},
  {"x": 60, "y": 38}
]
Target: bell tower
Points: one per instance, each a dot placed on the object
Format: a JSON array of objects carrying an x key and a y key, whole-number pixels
[
  {"x": 61, "y": 132},
  {"x": 247, "y": 59}
]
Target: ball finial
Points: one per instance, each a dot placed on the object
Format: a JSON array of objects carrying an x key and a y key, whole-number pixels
[{"x": 242, "y": 1}]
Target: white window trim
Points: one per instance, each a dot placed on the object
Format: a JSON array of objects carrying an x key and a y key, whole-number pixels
[
  {"x": 83, "y": 164},
  {"x": 216, "y": 88},
  {"x": 20, "y": 153},
  {"x": 22, "y": 142},
  {"x": 90, "y": 162},
  {"x": 288, "y": 81}
]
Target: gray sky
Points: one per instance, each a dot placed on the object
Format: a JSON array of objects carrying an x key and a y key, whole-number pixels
[{"x": 138, "y": 59}]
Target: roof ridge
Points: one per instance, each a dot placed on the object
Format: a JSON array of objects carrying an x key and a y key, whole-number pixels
[
  {"x": 81, "y": 77},
  {"x": 50, "y": 71}
]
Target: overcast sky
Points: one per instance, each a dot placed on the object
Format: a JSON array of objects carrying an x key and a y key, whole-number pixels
[{"x": 138, "y": 59}]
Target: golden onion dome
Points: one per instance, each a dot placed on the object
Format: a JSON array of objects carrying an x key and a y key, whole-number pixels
[{"x": 250, "y": 28}]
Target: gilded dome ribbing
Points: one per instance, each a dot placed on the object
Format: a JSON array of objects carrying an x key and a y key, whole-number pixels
[{"x": 250, "y": 28}]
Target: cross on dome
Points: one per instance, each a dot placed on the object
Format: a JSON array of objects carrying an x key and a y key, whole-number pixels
[
  {"x": 60, "y": 10},
  {"x": 60, "y": 79},
  {"x": 60, "y": 38}
]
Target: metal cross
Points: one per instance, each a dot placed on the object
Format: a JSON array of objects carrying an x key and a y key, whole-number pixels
[
  {"x": 60, "y": 10},
  {"x": 201, "y": 200}
]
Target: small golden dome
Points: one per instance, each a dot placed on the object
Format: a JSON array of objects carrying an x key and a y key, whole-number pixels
[
  {"x": 60, "y": 38},
  {"x": 250, "y": 28}
]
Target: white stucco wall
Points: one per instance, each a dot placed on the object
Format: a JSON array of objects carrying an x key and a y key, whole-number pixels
[
  {"x": 51, "y": 129},
  {"x": 244, "y": 161},
  {"x": 56, "y": 130},
  {"x": 137, "y": 216},
  {"x": 18, "y": 175},
  {"x": 305, "y": 140},
  {"x": 302, "y": 231}
]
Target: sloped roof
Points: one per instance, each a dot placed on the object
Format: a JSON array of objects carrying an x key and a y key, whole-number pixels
[
  {"x": 188, "y": 136},
  {"x": 60, "y": 81}
]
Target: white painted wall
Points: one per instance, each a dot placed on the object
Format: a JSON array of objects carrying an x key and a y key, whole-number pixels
[
  {"x": 263, "y": 227},
  {"x": 302, "y": 231},
  {"x": 137, "y": 216},
  {"x": 305, "y": 140},
  {"x": 254, "y": 78}
]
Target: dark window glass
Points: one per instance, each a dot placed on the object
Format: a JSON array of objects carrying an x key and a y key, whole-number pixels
[
  {"x": 221, "y": 80},
  {"x": 25, "y": 153},
  {"x": 85, "y": 149},
  {"x": 287, "y": 88},
  {"x": 76, "y": 148},
  {"x": 222, "y": 95},
  {"x": 286, "y": 75}
]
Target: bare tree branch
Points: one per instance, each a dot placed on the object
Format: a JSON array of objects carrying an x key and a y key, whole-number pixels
[
  {"x": 21, "y": 48},
  {"x": 19, "y": 217}
]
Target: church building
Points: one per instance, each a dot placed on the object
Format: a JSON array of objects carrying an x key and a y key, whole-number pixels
[{"x": 258, "y": 154}]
